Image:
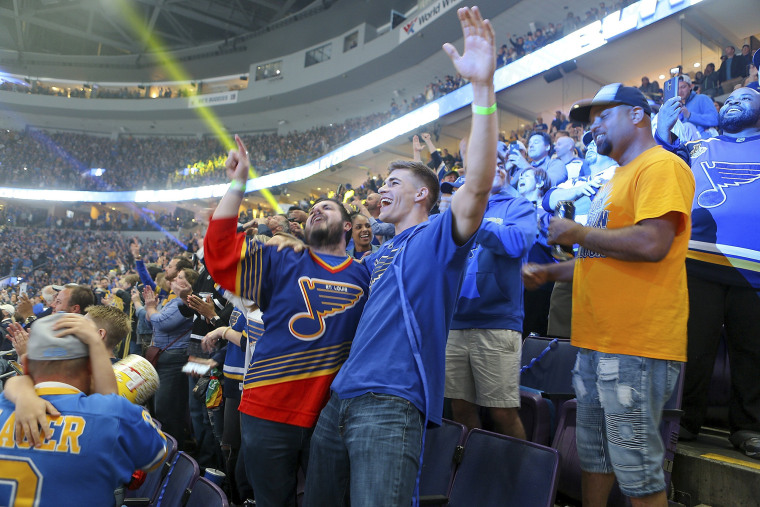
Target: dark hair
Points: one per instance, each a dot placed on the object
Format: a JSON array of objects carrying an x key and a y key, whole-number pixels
[
  {"x": 424, "y": 175},
  {"x": 183, "y": 263},
  {"x": 546, "y": 137},
  {"x": 343, "y": 211},
  {"x": 82, "y": 296},
  {"x": 191, "y": 275},
  {"x": 540, "y": 174}
]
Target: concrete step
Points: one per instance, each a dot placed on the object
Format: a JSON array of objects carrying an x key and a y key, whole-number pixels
[{"x": 710, "y": 472}]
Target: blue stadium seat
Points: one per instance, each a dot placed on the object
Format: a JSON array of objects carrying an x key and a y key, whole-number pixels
[
  {"x": 176, "y": 487},
  {"x": 548, "y": 371},
  {"x": 443, "y": 451},
  {"x": 147, "y": 493},
  {"x": 497, "y": 470},
  {"x": 536, "y": 416},
  {"x": 206, "y": 494}
]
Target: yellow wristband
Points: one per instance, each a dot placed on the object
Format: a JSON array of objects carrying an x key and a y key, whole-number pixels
[
  {"x": 236, "y": 185},
  {"x": 224, "y": 334},
  {"x": 485, "y": 111}
]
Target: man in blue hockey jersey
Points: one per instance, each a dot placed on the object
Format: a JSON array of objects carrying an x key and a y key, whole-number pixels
[
  {"x": 368, "y": 440},
  {"x": 723, "y": 263},
  {"x": 95, "y": 442},
  {"x": 483, "y": 350}
]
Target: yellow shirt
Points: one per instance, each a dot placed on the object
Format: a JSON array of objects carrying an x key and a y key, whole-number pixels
[{"x": 636, "y": 308}]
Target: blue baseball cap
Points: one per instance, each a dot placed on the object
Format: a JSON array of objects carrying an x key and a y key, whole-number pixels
[{"x": 613, "y": 94}]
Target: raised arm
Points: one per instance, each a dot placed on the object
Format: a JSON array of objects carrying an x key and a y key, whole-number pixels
[{"x": 477, "y": 65}]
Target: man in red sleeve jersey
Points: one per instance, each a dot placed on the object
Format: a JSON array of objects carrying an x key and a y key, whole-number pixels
[{"x": 312, "y": 300}]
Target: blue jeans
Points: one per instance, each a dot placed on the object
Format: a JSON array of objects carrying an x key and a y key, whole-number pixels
[
  {"x": 273, "y": 452},
  {"x": 620, "y": 402},
  {"x": 368, "y": 446}
]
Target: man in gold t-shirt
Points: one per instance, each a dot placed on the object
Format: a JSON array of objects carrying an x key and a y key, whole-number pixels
[{"x": 630, "y": 303}]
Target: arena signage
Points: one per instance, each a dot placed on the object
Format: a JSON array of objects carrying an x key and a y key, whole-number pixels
[
  {"x": 424, "y": 18},
  {"x": 212, "y": 99}
]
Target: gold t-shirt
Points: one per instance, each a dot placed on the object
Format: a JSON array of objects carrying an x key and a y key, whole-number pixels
[{"x": 636, "y": 308}]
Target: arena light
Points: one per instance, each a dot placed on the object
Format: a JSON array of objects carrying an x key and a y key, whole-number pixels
[{"x": 575, "y": 44}]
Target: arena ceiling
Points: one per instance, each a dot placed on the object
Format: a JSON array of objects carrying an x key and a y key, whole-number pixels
[{"x": 99, "y": 27}]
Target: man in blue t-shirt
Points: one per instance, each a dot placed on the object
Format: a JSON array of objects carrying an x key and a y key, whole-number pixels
[
  {"x": 723, "y": 264},
  {"x": 368, "y": 440}
]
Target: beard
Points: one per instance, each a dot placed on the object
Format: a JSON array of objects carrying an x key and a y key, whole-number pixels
[
  {"x": 324, "y": 235},
  {"x": 605, "y": 148},
  {"x": 748, "y": 118}
]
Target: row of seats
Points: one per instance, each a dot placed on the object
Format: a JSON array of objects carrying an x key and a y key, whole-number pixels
[
  {"x": 548, "y": 410},
  {"x": 486, "y": 469},
  {"x": 176, "y": 483}
]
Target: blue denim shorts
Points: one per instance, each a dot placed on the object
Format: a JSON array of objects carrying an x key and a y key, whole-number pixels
[{"x": 620, "y": 402}]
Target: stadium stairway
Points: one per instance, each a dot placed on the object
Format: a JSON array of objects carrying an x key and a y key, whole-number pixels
[{"x": 709, "y": 471}]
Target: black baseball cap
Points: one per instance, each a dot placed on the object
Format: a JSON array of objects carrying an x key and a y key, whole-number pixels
[{"x": 612, "y": 94}]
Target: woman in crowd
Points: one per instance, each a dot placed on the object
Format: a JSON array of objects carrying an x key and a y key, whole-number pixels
[
  {"x": 171, "y": 331},
  {"x": 361, "y": 233}
]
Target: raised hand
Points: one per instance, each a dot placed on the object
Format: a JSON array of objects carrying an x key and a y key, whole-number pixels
[
  {"x": 667, "y": 117},
  {"x": 19, "y": 337},
  {"x": 25, "y": 306},
  {"x": 149, "y": 297},
  {"x": 238, "y": 164},
  {"x": 417, "y": 148},
  {"x": 478, "y": 62}
]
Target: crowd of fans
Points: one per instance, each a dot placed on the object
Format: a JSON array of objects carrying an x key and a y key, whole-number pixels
[
  {"x": 57, "y": 256},
  {"x": 39, "y": 159}
]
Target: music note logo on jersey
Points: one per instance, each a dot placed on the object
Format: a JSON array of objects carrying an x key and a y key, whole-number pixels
[
  {"x": 323, "y": 298},
  {"x": 722, "y": 175}
]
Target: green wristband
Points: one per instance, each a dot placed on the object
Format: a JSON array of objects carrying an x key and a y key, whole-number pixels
[
  {"x": 236, "y": 185},
  {"x": 485, "y": 111}
]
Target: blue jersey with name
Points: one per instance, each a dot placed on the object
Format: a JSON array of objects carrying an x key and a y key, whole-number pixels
[
  {"x": 97, "y": 443},
  {"x": 400, "y": 345},
  {"x": 725, "y": 246}
]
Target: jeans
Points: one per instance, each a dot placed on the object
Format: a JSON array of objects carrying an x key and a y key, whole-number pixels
[
  {"x": 620, "y": 402},
  {"x": 171, "y": 397},
  {"x": 273, "y": 452},
  {"x": 368, "y": 446}
]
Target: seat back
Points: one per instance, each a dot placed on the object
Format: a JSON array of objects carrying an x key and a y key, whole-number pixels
[
  {"x": 536, "y": 416},
  {"x": 206, "y": 494},
  {"x": 183, "y": 474},
  {"x": 152, "y": 484},
  {"x": 547, "y": 365},
  {"x": 443, "y": 451},
  {"x": 498, "y": 470},
  {"x": 564, "y": 442}
]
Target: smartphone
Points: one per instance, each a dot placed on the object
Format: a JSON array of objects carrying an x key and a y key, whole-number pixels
[{"x": 670, "y": 88}]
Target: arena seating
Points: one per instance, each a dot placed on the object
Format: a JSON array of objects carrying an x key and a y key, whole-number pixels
[{"x": 443, "y": 452}]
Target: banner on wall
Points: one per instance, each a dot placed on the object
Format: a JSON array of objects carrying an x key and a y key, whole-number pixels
[
  {"x": 212, "y": 99},
  {"x": 424, "y": 18}
]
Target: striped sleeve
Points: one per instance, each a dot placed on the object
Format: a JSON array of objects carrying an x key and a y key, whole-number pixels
[{"x": 234, "y": 260}]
